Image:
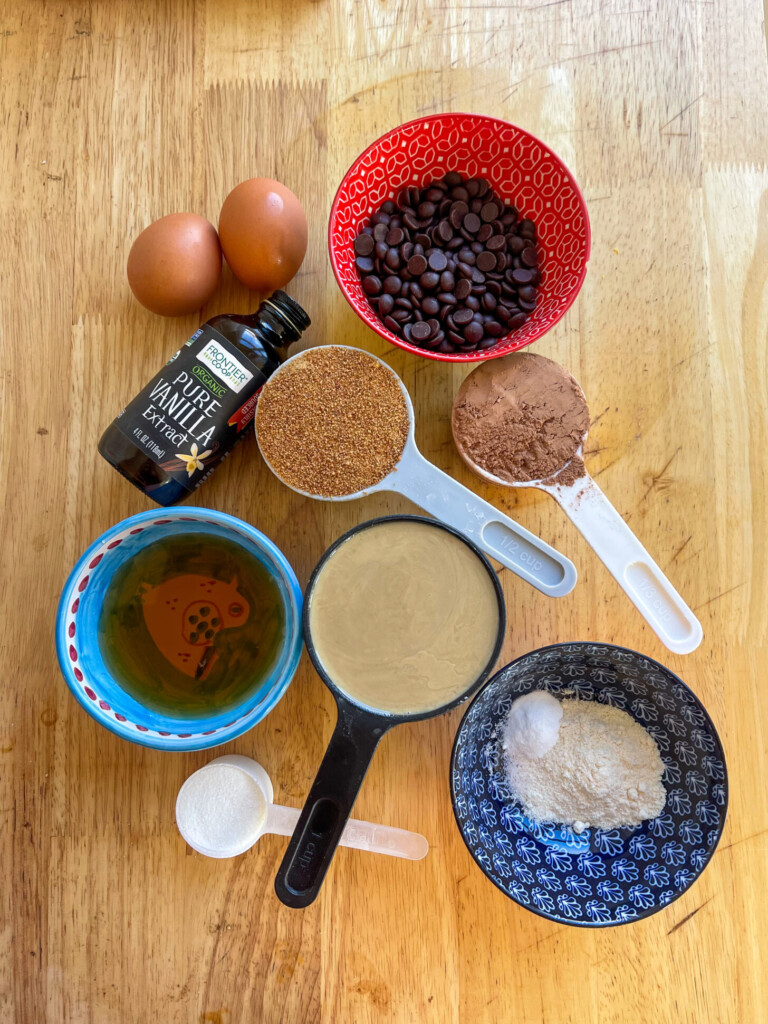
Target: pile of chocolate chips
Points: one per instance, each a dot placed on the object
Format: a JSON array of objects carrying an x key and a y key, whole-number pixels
[{"x": 450, "y": 268}]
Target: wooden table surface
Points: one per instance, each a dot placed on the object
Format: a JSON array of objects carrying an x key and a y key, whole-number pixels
[{"x": 115, "y": 113}]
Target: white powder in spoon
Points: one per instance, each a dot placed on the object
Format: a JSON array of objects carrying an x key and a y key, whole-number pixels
[
  {"x": 604, "y": 770},
  {"x": 221, "y": 808}
]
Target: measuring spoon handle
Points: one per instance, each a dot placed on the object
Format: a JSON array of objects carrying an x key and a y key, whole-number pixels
[
  {"x": 357, "y": 835},
  {"x": 626, "y": 558},
  {"x": 327, "y": 808},
  {"x": 496, "y": 534}
]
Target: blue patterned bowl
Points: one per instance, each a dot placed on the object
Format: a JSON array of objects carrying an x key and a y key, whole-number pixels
[{"x": 599, "y": 877}]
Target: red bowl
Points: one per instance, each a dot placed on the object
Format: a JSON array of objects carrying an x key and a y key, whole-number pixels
[{"x": 521, "y": 169}]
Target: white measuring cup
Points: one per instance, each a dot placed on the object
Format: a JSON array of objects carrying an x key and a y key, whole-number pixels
[
  {"x": 274, "y": 819},
  {"x": 618, "y": 548},
  {"x": 455, "y": 505}
]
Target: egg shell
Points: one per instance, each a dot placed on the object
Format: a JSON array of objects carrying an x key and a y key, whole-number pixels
[
  {"x": 263, "y": 232},
  {"x": 175, "y": 264}
]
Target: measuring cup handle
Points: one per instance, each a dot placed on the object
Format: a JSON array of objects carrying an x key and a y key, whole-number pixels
[
  {"x": 499, "y": 536},
  {"x": 634, "y": 569},
  {"x": 358, "y": 835},
  {"x": 328, "y": 805}
]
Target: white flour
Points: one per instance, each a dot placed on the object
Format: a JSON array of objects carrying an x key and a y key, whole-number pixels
[{"x": 604, "y": 771}]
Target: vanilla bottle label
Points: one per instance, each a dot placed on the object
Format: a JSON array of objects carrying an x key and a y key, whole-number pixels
[{"x": 190, "y": 416}]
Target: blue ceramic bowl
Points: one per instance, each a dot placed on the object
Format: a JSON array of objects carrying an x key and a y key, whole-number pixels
[
  {"x": 598, "y": 877},
  {"x": 77, "y": 642}
]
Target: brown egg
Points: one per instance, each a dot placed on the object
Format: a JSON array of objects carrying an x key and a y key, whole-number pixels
[
  {"x": 175, "y": 264},
  {"x": 263, "y": 232}
]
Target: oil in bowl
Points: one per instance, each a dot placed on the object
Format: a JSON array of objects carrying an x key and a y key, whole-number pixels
[{"x": 191, "y": 625}]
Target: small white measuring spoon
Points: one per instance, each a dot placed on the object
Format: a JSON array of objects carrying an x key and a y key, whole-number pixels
[
  {"x": 618, "y": 548},
  {"x": 220, "y": 817},
  {"x": 455, "y": 505}
]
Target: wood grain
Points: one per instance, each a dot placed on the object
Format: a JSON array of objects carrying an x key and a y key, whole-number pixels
[{"x": 114, "y": 113}]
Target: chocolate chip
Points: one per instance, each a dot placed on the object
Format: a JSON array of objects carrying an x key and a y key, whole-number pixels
[
  {"x": 430, "y": 305},
  {"x": 380, "y": 218},
  {"x": 392, "y": 284},
  {"x": 371, "y": 285},
  {"x": 473, "y": 332},
  {"x": 423, "y": 240},
  {"x": 364, "y": 264},
  {"x": 420, "y": 332},
  {"x": 430, "y": 280},
  {"x": 521, "y": 276},
  {"x": 516, "y": 244},
  {"x": 517, "y": 321},
  {"x": 529, "y": 257},
  {"x": 391, "y": 324},
  {"x": 488, "y": 302},
  {"x": 417, "y": 265},
  {"x": 462, "y": 316},
  {"x": 395, "y": 236},
  {"x": 527, "y": 293},
  {"x": 471, "y": 223},
  {"x": 463, "y": 288},
  {"x": 493, "y": 328},
  {"x": 495, "y": 243},
  {"x": 452, "y": 179},
  {"x": 364, "y": 245},
  {"x": 484, "y": 234},
  {"x": 447, "y": 298},
  {"x": 486, "y": 261},
  {"x": 426, "y": 210},
  {"x": 457, "y": 214},
  {"x": 392, "y": 259},
  {"x": 460, "y": 193},
  {"x": 380, "y": 232},
  {"x": 386, "y": 304},
  {"x": 472, "y": 302},
  {"x": 489, "y": 212},
  {"x": 438, "y": 261}
]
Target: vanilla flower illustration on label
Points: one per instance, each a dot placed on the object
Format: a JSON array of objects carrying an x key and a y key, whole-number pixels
[{"x": 194, "y": 460}]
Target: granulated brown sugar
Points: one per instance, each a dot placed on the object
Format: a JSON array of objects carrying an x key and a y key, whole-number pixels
[
  {"x": 522, "y": 418},
  {"x": 333, "y": 421}
]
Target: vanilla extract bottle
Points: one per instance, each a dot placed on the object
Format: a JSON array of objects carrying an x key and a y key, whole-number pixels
[{"x": 190, "y": 416}]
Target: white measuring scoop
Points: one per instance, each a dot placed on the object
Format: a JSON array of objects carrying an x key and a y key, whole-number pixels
[
  {"x": 225, "y": 807},
  {"x": 455, "y": 505},
  {"x": 619, "y": 550}
]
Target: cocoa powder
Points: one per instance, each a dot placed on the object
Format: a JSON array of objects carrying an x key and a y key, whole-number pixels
[{"x": 520, "y": 418}]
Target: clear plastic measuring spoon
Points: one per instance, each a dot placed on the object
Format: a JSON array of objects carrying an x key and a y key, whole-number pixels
[
  {"x": 219, "y": 827},
  {"x": 615, "y": 544},
  {"x": 455, "y": 505}
]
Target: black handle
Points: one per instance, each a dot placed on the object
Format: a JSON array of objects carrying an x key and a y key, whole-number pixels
[{"x": 329, "y": 804}]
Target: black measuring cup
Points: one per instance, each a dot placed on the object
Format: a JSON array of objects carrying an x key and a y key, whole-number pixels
[{"x": 353, "y": 743}]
